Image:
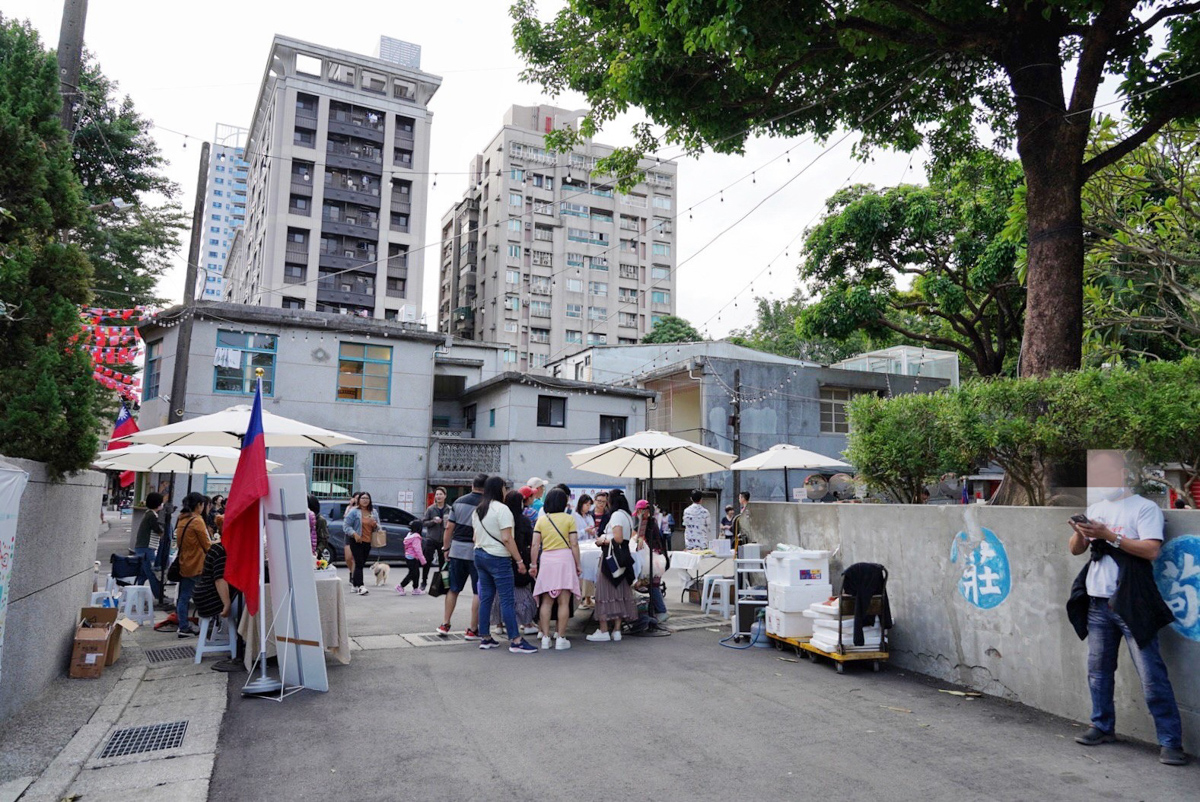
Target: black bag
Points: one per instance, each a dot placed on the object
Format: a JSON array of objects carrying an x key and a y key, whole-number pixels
[
  {"x": 173, "y": 574},
  {"x": 437, "y": 585}
]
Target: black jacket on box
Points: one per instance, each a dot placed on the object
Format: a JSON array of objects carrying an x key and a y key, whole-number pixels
[{"x": 862, "y": 581}]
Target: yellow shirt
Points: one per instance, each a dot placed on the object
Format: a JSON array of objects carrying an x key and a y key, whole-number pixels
[{"x": 554, "y": 540}]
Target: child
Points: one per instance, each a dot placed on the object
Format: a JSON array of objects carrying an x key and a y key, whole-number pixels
[{"x": 414, "y": 558}]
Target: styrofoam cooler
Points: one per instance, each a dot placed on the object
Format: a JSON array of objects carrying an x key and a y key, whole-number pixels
[
  {"x": 796, "y": 598},
  {"x": 788, "y": 625},
  {"x": 800, "y": 567}
]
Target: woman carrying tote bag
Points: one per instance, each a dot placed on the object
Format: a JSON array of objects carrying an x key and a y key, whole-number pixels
[
  {"x": 360, "y": 526},
  {"x": 614, "y": 592}
]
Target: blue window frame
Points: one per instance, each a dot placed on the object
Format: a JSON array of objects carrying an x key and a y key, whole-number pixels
[
  {"x": 153, "y": 369},
  {"x": 491, "y": 417},
  {"x": 256, "y": 351},
  {"x": 364, "y": 373}
]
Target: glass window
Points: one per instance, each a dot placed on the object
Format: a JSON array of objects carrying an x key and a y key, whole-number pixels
[
  {"x": 598, "y": 287},
  {"x": 492, "y": 417},
  {"x": 249, "y": 351},
  {"x": 661, "y": 203},
  {"x": 834, "y": 419},
  {"x": 660, "y": 273},
  {"x": 333, "y": 474},
  {"x": 574, "y": 310},
  {"x": 660, "y": 297},
  {"x": 153, "y": 369},
  {"x": 597, "y": 339},
  {"x": 574, "y": 285},
  {"x": 539, "y": 309},
  {"x": 612, "y": 428},
  {"x": 574, "y": 336},
  {"x": 510, "y": 326},
  {"x": 512, "y": 276},
  {"x": 364, "y": 373},
  {"x": 661, "y": 249},
  {"x": 516, "y": 174},
  {"x": 552, "y": 411},
  {"x": 515, "y": 225},
  {"x": 514, "y": 251},
  {"x": 516, "y": 199}
]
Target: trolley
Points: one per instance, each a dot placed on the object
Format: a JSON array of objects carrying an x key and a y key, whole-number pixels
[{"x": 840, "y": 656}]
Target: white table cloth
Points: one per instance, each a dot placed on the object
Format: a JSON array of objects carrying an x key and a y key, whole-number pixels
[
  {"x": 589, "y": 559},
  {"x": 687, "y": 565},
  {"x": 331, "y": 602}
]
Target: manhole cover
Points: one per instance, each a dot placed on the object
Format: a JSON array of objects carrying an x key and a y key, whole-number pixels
[
  {"x": 155, "y": 656},
  {"x": 434, "y": 639},
  {"x": 155, "y": 737}
]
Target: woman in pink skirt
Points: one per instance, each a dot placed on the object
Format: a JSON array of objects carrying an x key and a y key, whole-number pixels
[{"x": 556, "y": 543}]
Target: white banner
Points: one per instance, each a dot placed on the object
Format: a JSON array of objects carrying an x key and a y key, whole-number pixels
[{"x": 12, "y": 485}]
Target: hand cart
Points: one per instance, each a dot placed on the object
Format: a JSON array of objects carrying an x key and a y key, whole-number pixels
[
  {"x": 747, "y": 600},
  {"x": 796, "y": 644},
  {"x": 840, "y": 656}
]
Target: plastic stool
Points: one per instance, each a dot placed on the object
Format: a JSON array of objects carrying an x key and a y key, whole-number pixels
[
  {"x": 139, "y": 604},
  {"x": 723, "y": 586},
  {"x": 103, "y": 598},
  {"x": 205, "y": 645}
]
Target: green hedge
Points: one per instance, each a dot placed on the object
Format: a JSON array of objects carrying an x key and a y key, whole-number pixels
[{"x": 901, "y": 444}]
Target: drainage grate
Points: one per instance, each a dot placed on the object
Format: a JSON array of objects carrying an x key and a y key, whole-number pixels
[
  {"x": 695, "y": 622},
  {"x": 135, "y": 740},
  {"x": 432, "y": 640},
  {"x": 155, "y": 656}
]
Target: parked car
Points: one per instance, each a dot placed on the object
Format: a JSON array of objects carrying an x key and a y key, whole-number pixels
[{"x": 395, "y": 521}]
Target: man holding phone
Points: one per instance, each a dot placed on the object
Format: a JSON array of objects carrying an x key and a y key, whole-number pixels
[{"x": 1115, "y": 597}]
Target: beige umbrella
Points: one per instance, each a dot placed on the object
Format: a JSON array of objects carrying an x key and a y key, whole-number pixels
[
  {"x": 226, "y": 428},
  {"x": 786, "y": 457},
  {"x": 146, "y": 458}
]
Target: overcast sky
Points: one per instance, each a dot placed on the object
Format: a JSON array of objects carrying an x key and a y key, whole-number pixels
[{"x": 189, "y": 66}]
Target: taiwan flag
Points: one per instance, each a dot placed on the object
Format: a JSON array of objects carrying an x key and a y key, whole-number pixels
[
  {"x": 125, "y": 425},
  {"x": 241, "y": 533}
]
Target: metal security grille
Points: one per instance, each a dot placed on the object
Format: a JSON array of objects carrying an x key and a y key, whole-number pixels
[
  {"x": 433, "y": 640},
  {"x": 156, "y": 656},
  {"x": 332, "y": 474},
  {"x": 135, "y": 740}
]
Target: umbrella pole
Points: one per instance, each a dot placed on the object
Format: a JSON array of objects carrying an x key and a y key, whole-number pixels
[
  {"x": 787, "y": 493},
  {"x": 191, "y": 464}
]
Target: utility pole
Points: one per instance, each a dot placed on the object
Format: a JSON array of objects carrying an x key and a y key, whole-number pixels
[
  {"x": 183, "y": 342},
  {"x": 735, "y": 420},
  {"x": 70, "y": 57}
]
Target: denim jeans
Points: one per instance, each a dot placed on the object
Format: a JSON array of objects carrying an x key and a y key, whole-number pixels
[
  {"x": 147, "y": 556},
  {"x": 1105, "y": 631},
  {"x": 184, "y": 591},
  {"x": 496, "y": 579},
  {"x": 657, "y": 602}
]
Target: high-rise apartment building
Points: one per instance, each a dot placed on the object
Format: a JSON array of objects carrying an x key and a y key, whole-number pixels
[
  {"x": 544, "y": 257},
  {"x": 224, "y": 205},
  {"x": 338, "y": 156}
]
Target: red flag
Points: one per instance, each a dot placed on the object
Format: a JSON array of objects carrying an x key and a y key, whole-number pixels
[
  {"x": 125, "y": 425},
  {"x": 240, "y": 532}
]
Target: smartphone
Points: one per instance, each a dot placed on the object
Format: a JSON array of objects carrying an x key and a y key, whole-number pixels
[{"x": 1080, "y": 519}]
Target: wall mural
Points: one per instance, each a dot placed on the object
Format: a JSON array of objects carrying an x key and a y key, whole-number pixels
[
  {"x": 1177, "y": 572},
  {"x": 986, "y": 577}
]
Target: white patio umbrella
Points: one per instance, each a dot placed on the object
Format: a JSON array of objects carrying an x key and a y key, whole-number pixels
[
  {"x": 226, "y": 428},
  {"x": 787, "y": 457},
  {"x": 147, "y": 458}
]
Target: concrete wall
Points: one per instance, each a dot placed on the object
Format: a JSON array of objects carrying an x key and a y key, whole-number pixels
[
  {"x": 57, "y": 530},
  {"x": 1021, "y": 646}
]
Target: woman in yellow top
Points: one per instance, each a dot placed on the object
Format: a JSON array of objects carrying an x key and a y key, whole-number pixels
[{"x": 556, "y": 542}]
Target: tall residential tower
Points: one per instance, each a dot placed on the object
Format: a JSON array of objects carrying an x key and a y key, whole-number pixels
[
  {"x": 339, "y": 161},
  {"x": 224, "y": 205},
  {"x": 544, "y": 257}
]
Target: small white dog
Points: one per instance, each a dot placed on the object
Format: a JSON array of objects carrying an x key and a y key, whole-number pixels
[{"x": 381, "y": 571}]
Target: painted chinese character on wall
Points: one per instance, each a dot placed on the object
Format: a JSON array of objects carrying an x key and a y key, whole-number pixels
[
  {"x": 1177, "y": 572},
  {"x": 986, "y": 578}
]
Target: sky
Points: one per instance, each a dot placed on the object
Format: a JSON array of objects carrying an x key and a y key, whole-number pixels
[{"x": 189, "y": 66}]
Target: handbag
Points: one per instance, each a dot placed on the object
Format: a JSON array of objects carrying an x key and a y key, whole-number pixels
[
  {"x": 379, "y": 537},
  {"x": 439, "y": 583},
  {"x": 173, "y": 574}
]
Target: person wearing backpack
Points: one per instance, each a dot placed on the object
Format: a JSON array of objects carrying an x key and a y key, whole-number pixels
[
  {"x": 495, "y": 552},
  {"x": 556, "y": 566}
]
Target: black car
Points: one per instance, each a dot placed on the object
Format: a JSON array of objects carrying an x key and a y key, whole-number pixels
[{"x": 395, "y": 521}]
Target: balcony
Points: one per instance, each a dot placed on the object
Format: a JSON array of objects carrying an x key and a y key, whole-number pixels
[
  {"x": 330, "y": 292},
  {"x": 306, "y": 117},
  {"x": 342, "y": 123},
  {"x": 339, "y": 261},
  {"x": 367, "y": 230},
  {"x": 463, "y": 458},
  {"x": 354, "y": 157},
  {"x": 301, "y": 187},
  {"x": 398, "y": 262},
  {"x": 353, "y": 193},
  {"x": 400, "y": 203}
]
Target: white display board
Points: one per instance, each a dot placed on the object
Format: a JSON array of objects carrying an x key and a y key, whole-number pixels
[
  {"x": 12, "y": 486},
  {"x": 296, "y": 625}
]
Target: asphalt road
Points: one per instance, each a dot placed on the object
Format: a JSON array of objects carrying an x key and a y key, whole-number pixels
[{"x": 676, "y": 718}]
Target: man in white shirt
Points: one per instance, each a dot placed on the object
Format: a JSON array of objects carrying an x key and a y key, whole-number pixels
[
  {"x": 697, "y": 523},
  {"x": 1124, "y": 533}
]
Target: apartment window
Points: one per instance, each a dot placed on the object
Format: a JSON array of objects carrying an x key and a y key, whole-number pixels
[
  {"x": 612, "y": 427},
  {"x": 574, "y": 285},
  {"x": 661, "y": 249},
  {"x": 626, "y": 341},
  {"x": 516, "y": 174},
  {"x": 661, "y": 202},
  {"x": 581, "y": 235},
  {"x": 512, "y": 303},
  {"x": 515, "y": 225},
  {"x": 305, "y": 137},
  {"x": 218, "y": 193},
  {"x": 212, "y": 254},
  {"x": 602, "y": 216},
  {"x": 364, "y": 373},
  {"x": 333, "y": 474},
  {"x": 399, "y": 221},
  {"x": 627, "y": 295},
  {"x": 660, "y": 273},
  {"x": 512, "y": 276},
  {"x": 574, "y": 259},
  {"x": 514, "y": 251},
  {"x": 214, "y": 242},
  {"x": 294, "y": 274},
  {"x": 543, "y": 234},
  {"x": 629, "y": 223},
  {"x": 215, "y": 229},
  {"x": 660, "y": 297},
  {"x": 543, "y": 258},
  {"x": 153, "y": 369},
  {"x": 539, "y": 309},
  {"x": 306, "y": 105},
  {"x": 629, "y": 271},
  {"x": 397, "y": 288},
  {"x": 516, "y": 199},
  {"x": 662, "y": 225},
  {"x": 573, "y": 210},
  {"x": 543, "y": 207},
  {"x": 634, "y": 200},
  {"x": 241, "y": 354},
  {"x": 597, "y": 339},
  {"x": 539, "y": 285},
  {"x": 510, "y": 357},
  {"x": 510, "y": 326},
  {"x": 543, "y": 181},
  {"x": 300, "y": 205},
  {"x": 404, "y": 90},
  {"x": 575, "y": 310},
  {"x": 834, "y": 419},
  {"x": 405, "y": 125},
  {"x": 600, "y": 263},
  {"x": 598, "y": 287},
  {"x": 602, "y": 191},
  {"x": 402, "y": 157},
  {"x": 629, "y": 246},
  {"x": 216, "y": 217},
  {"x": 629, "y": 320},
  {"x": 492, "y": 418},
  {"x": 573, "y": 336},
  {"x": 597, "y": 312},
  {"x": 539, "y": 335},
  {"x": 293, "y": 303},
  {"x": 538, "y": 360},
  {"x": 552, "y": 411}
]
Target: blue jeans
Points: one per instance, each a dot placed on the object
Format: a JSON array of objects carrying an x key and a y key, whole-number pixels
[
  {"x": 184, "y": 591},
  {"x": 1105, "y": 630},
  {"x": 496, "y": 578},
  {"x": 147, "y": 556},
  {"x": 657, "y": 602}
]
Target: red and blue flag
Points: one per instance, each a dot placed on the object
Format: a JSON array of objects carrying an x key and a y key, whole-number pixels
[{"x": 241, "y": 533}]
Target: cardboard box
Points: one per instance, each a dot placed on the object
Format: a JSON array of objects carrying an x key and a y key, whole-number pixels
[
  {"x": 88, "y": 651},
  {"x": 106, "y": 617}
]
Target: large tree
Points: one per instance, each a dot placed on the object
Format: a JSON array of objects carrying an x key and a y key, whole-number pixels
[
  {"x": 672, "y": 329},
  {"x": 711, "y": 73},
  {"x": 776, "y": 331},
  {"x": 881, "y": 260},
  {"x": 48, "y": 400},
  {"x": 134, "y": 222}
]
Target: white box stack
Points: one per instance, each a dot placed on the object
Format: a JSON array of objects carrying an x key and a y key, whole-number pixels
[
  {"x": 798, "y": 567},
  {"x": 796, "y": 598},
  {"x": 796, "y": 579},
  {"x": 788, "y": 625}
]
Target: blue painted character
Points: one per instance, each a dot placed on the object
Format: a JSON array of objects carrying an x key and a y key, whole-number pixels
[
  {"x": 1177, "y": 572},
  {"x": 986, "y": 578}
]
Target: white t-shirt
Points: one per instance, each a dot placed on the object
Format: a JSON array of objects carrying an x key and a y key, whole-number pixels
[
  {"x": 499, "y": 517},
  {"x": 1133, "y": 518},
  {"x": 697, "y": 526},
  {"x": 582, "y": 522},
  {"x": 622, "y": 519}
]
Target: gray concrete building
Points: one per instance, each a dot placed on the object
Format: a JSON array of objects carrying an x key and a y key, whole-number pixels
[
  {"x": 433, "y": 409},
  {"x": 338, "y": 154},
  {"x": 548, "y": 259}
]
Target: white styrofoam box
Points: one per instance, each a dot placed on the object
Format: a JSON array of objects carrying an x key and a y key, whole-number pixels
[
  {"x": 799, "y": 567},
  {"x": 796, "y": 598},
  {"x": 750, "y": 551},
  {"x": 788, "y": 625},
  {"x": 811, "y": 613},
  {"x": 830, "y": 610}
]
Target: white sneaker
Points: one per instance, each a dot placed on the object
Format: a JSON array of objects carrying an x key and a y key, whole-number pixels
[
  {"x": 599, "y": 636},
  {"x": 546, "y": 642},
  {"x": 561, "y": 644},
  {"x": 529, "y": 631},
  {"x": 616, "y": 634}
]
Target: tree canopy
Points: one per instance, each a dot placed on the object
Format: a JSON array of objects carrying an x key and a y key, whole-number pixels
[
  {"x": 48, "y": 400},
  {"x": 710, "y": 74},
  {"x": 776, "y": 331},
  {"x": 672, "y": 329}
]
